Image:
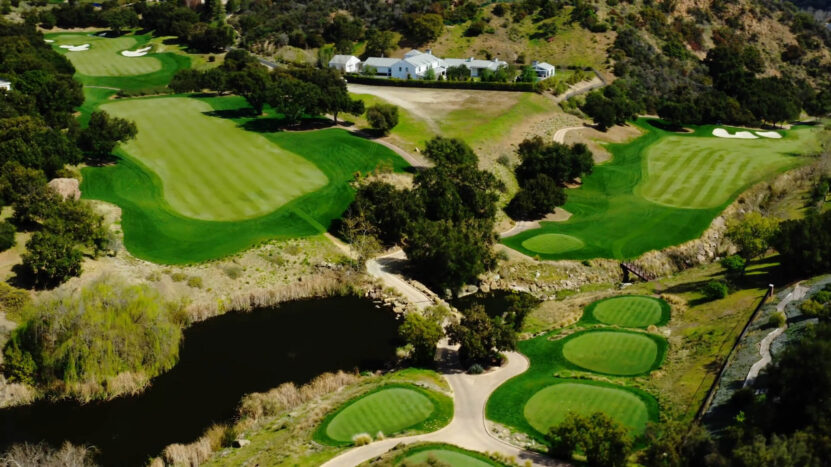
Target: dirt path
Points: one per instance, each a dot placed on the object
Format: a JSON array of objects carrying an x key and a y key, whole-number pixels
[
  {"x": 417, "y": 161},
  {"x": 392, "y": 95},
  {"x": 560, "y": 135},
  {"x": 384, "y": 267},
  {"x": 468, "y": 428},
  {"x": 764, "y": 348},
  {"x": 580, "y": 88}
]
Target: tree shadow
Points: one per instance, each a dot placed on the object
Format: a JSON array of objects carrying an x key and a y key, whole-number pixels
[
  {"x": 275, "y": 124},
  {"x": 665, "y": 126},
  {"x": 232, "y": 114}
]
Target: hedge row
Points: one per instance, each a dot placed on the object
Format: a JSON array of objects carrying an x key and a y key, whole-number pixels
[{"x": 418, "y": 83}]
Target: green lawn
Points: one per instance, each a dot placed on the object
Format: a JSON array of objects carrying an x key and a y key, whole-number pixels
[
  {"x": 209, "y": 168},
  {"x": 549, "y": 406},
  {"x": 631, "y": 311},
  {"x": 447, "y": 454},
  {"x": 103, "y": 65},
  {"x": 391, "y": 410},
  {"x": 661, "y": 189},
  {"x": 284, "y": 184},
  {"x": 614, "y": 352}
]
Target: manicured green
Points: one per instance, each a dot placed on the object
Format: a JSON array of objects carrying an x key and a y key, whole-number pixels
[
  {"x": 509, "y": 404},
  {"x": 450, "y": 455},
  {"x": 103, "y": 65},
  {"x": 631, "y": 311},
  {"x": 209, "y": 168},
  {"x": 391, "y": 410},
  {"x": 553, "y": 243},
  {"x": 285, "y": 184},
  {"x": 549, "y": 406},
  {"x": 104, "y": 55},
  {"x": 613, "y": 352},
  {"x": 663, "y": 189}
]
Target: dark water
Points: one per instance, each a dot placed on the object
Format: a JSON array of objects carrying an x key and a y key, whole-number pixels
[{"x": 222, "y": 359}]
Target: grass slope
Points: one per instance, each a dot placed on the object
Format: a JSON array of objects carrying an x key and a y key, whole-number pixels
[
  {"x": 614, "y": 352},
  {"x": 103, "y": 65},
  {"x": 155, "y": 231},
  {"x": 209, "y": 168},
  {"x": 631, "y": 311},
  {"x": 549, "y": 407},
  {"x": 693, "y": 176},
  {"x": 390, "y": 409}
]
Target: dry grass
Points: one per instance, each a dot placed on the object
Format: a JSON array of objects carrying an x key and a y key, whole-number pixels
[
  {"x": 43, "y": 455},
  {"x": 287, "y": 396}
]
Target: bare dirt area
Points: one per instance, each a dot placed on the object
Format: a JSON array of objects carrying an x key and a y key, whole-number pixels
[{"x": 595, "y": 139}]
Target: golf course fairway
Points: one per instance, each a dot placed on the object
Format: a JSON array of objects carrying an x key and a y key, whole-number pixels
[
  {"x": 229, "y": 187},
  {"x": 660, "y": 190}
]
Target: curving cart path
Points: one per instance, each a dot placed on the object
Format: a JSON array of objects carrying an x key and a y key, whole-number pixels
[
  {"x": 764, "y": 348},
  {"x": 468, "y": 428}
]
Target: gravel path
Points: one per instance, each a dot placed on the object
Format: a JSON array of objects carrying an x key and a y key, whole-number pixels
[
  {"x": 764, "y": 348},
  {"x": 468, "y": 427},
  {"x": 383, "y": 267}
]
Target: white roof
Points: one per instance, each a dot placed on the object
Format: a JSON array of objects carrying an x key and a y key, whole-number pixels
[
  {"x": 381, "y": 61},
  {"x": 3, "y": 81},
  {"x": 422, "y": 59},
  {"x": 413, "y": 53},
  {"x": 473, "y": 63},
  {"x": 342, "y": 59},
  {"x": 544, "y": 65}
]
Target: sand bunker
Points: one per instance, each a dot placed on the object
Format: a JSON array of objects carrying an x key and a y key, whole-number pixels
[
  {"x": 48, "y": 40},
  {"x": 75, "y": 48},
  {"x": 136, "y": 53},
  {"x": 769, "y": 134},
  {"x": 722, "y": 133}
]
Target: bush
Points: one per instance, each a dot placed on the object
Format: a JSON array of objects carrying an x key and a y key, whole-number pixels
[
  {"x": 734, "y": 264},
  {"x": 714, "y": 290},
  {"x": 475, "y": 369},
  {"x": 362, "y": 439},
  {"x": 7, "y": 232},
  {"x": 382, "y": 117},
  {"x": 777, "y": 319},
  {"x": 50, "y": 259},
  {"x": 195, "y": 282},
  {"x": 13, "y": 300},
  {"x": 178, "y": 276},
  {"x": 823, "y": 296},
  {"x": 811, "y": 308},
  {"x": 87, "y": 338}
]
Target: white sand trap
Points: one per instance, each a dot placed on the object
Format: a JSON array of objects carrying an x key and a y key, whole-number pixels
[
  {"x": 66, "y": 46},
  {"x": 769, "y": 134},
  {"x": 136, "y": 53},
  {"x": 79, "y": 48},
  {"x": 722, "y": 133},
  {"x": 48, "y": 40}
]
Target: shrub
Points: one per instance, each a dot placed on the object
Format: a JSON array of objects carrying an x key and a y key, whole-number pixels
[
  {"x": 380, "y": 436},
  {"x": 714, "y": 290},
  {"x": 13, "y": 300},
  {"x": 178, "y": 276},
  {"x": 102, "y": 331},
  {"x": 7, "y": 231},
  {"x": 362, "y": 439},
  {"x": 734, "y": 264},
  {"x": 233, "y": 271},
  {"x": 382, "y": 117},
  {"x": 475, "y": 369},
  {"x": 195, "y": 282},
  {"x": 823, "y": 296},
  {"x": 777, "y": 319},
  {"x": 811, "y": 308}
]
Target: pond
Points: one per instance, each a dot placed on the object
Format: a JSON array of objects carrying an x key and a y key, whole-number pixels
[{"x": 221, "y": 360}]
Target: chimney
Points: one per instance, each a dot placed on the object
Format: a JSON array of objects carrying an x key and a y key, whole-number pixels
[
  {"x": 534, "y": 63},
  {"x": 429, "y": 51},
  {"x": 470, "y": 59}
]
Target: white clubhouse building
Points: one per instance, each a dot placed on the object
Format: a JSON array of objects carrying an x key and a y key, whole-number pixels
[{"x": 416, "y": 64}]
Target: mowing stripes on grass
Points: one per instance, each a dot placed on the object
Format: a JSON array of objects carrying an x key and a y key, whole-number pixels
[
  {"x": 663, "y": 189},
  {"x": 612, "y": 352},
  {"x": 104, "y": 55},
  {"x": 389, "y": 409},
  {"x": 631, "y": 311},
  {"x": 210, "y": 168},
  {"x": 549, "y": 406},
  {"x": 553, "y": 243}
]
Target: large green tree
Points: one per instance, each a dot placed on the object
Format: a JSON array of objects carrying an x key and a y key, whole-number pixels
[{"x": 104, "y": 132}]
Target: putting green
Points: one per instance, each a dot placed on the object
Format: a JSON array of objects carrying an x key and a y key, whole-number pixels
[
  {"x": 631, "y": 311},
  {"x": 446, "y": 456},
  {"x": 210, "y": 168},
  {"x": 104, "y": 55},
  {"x": 553, "y": 243},
  {"x": 281, "y": 184},
  {"x": 612, "y": 352},
  {"x": 388, "y": 410},
  {"x": 549, "y": 406},
  {"x": 663, "y": 189}
]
